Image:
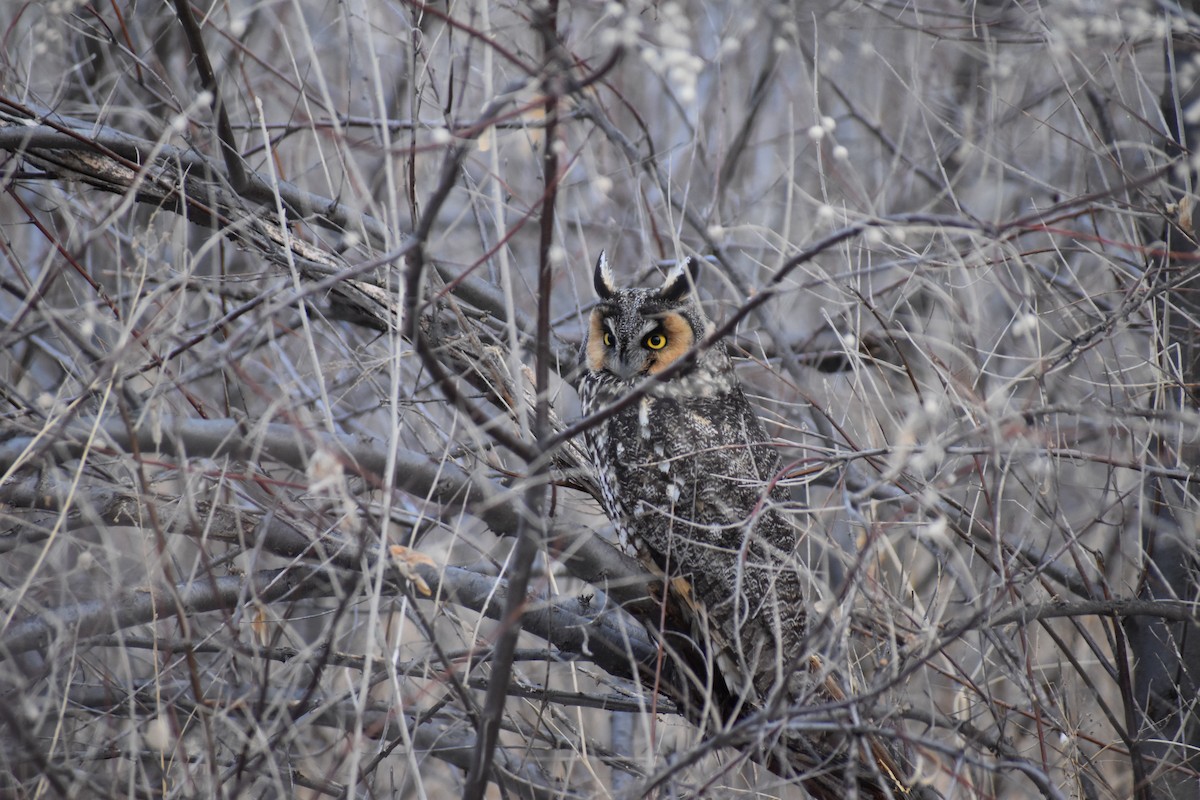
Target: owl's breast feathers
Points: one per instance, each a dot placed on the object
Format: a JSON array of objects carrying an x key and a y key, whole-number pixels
[
  {"x": 689, "y": 480},
  {"x": 689, "y": 457}
]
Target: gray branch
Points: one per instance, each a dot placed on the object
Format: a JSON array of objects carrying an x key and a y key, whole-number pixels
[
  {"x": 586, "y": 627},
  {"x": 587, "y": 556}
]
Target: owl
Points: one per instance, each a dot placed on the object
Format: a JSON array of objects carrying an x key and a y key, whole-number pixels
[{"x": 690, "y": 481}]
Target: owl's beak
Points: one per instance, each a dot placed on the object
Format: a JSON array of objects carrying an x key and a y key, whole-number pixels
[{"x": 629, "y": 367}]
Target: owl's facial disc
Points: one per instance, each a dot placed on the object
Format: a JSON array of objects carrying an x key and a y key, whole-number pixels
[
  {"x": 634, "y": 350},
  {"x": 679, "y": 339}
]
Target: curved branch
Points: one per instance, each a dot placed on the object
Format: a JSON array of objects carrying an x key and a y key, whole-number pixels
[
  {"x": 1175, "y": 610},
  {"x": 577, "y": 626},
  {"x": 100, "y": 616},
  {"x": 118, "y": 162},
  {"x": 586, "y": 555}
]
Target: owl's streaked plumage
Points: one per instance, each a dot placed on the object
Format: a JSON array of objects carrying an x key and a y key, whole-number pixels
[
  {"x": 689, "y": 477},
  {"x": 690, "y": 481}
]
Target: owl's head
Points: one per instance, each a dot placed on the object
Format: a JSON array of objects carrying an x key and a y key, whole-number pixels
[{"x": 634, "y": 333}]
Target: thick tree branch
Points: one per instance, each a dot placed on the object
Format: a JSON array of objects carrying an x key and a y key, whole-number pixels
[{"x": 585, "y": 554}]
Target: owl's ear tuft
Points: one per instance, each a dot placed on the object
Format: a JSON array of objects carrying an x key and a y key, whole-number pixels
[
  {"x": 680, "y": 280},
  {"x": 606, "y": 287}
]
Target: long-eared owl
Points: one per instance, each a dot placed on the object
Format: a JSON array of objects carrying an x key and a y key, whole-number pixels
[{"x": 689, "y": 478}]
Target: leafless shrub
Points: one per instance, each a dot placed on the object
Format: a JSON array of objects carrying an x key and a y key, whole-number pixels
[{"x": 291, "y": 498}]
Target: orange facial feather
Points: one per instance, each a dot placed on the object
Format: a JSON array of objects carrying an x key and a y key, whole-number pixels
[
  {"x": 596, "y": 351},
  {"x": 679, "y": 341}
]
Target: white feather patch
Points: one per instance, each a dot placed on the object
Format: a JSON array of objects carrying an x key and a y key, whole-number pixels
[
  {"x": 677, "y": 273},
  {"x": 606, "y": 275}
]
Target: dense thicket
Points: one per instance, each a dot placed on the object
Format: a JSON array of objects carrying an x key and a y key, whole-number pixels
[{"x": 291, "y": 299}]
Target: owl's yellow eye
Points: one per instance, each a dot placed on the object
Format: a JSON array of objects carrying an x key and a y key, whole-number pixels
[
  {"x": 656, "y": 341},
  {"x": 608, "y": 339}
]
